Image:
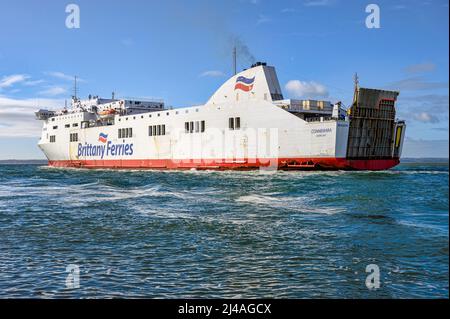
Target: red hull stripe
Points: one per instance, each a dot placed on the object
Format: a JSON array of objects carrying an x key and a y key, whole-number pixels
[{"x": 280, "y": 163}]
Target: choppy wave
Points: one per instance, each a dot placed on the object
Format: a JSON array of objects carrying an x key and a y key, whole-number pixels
[
  {"x": 175, "y": 234},
  {"x": 300, "y": 204}
]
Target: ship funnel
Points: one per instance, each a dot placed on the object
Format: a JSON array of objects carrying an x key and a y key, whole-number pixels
[
  {"x": 260, "y": 82},
  {"x": 258, "y": 64}
]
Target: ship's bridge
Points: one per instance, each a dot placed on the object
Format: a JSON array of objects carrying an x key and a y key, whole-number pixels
[{"x": 120, "y": 106}]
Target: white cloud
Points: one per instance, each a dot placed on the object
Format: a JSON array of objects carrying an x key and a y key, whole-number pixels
[
  {"x": 53, "y": 91},
  {"x": 63, "y": 76},
  {"x": 416, "y": 83},
  {"x": 317, "y": 3},
  {"x": 34, "y": 82},
  {"x": 421, "y": 67},
  {"x": 426, "y": 117},
  {"x": 17, "y": 116},
  {"x": 429, "y": 108},
  {"x": 10, "y": 80},
  {"x": 262, "y": 19},
  {"x": 212, "y": 73},
  {"x": 399, "y": 7},
  {"x": 305, "y": 89},
  {"x": 288, "y": 10}
]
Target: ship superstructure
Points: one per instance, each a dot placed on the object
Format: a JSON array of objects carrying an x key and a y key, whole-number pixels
[{"x": 246, "y": 124}]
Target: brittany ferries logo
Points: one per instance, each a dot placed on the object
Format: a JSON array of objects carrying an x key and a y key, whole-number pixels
[
  {"x": 108, "y": 148},
  {"x": 244, "y": 84},
  {"x": 102, "y": 137}
]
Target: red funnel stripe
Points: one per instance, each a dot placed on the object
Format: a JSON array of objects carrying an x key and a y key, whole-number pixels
[{"x": 243, "y": 87}]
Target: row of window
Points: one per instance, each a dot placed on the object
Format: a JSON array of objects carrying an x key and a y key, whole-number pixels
[
  {"x": 234, "y": 123},
  {"x": 155, "y": 130},
  {"x": 197, "y": 126},
  {"x": 74, "y": 137},
  {"x": 65, "y": 117},
  {"x": 66, "y": 126},
  {"x": 125, "y": 132},
  {"x": 157, "y": 114}
]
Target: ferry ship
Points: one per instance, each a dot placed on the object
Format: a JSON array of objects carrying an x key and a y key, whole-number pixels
[{"x": 246, "y": 124}]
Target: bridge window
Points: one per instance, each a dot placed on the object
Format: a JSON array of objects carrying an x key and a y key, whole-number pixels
[
  {"x": 276, "y": 96},
  {"x": 52, "y": 138},
  {"x": 67, "y": 125},
  {"x": 55, "y": 127},
  {"x": 202, "y": 126}
]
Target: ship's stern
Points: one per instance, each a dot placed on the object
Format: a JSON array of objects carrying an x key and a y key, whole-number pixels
[{"x": 375, "y": 136}]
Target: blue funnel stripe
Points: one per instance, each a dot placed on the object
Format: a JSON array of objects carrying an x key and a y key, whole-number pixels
[{"x": 245, "y": 80}]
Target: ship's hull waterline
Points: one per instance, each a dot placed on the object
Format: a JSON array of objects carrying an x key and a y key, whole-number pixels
[{"x": 300, "y": 164}]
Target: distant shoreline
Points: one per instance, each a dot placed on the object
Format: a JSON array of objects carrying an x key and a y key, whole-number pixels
[
  {"x": 424, "y": 160},
  {"x": 403, "y": 161},
  {"x": 22, "y": 162}
]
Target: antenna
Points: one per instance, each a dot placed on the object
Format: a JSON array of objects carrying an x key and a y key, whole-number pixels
[
  {"x": 75, "y": 89},
  {"x": 356, "y": 80},
  {"x": 355, "y": 94},
  {"x": 234, "y": 60}
]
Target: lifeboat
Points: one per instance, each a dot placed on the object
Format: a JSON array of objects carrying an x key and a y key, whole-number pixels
[{"x": 108, "y": 112}]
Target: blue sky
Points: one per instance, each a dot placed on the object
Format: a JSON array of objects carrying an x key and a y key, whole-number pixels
[{"x": 181, "y": 51}]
